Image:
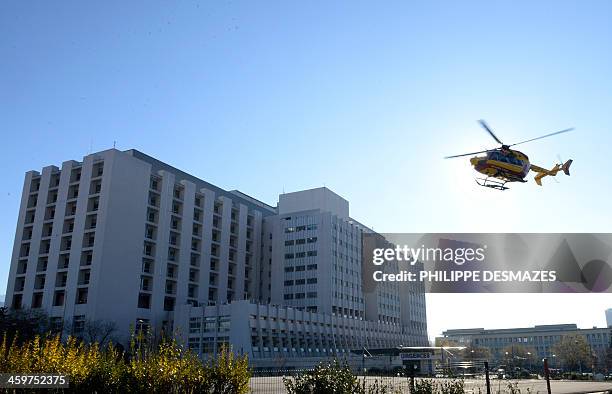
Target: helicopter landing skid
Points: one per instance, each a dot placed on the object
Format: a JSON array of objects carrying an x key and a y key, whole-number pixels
[{"x": 486, "y": 182}]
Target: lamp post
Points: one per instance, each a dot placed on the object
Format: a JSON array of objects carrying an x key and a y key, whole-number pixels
[
  {"x": 472, "y": 364},
  {"x": 529, "y": 356}
]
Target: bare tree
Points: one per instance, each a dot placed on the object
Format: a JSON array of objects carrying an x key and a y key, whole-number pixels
[
  {"x": 607, "y": 360},
  {"x": 100, "y": 331},
  {"x": 574, "y": 352},
  {"x": 92, "y": 331}
]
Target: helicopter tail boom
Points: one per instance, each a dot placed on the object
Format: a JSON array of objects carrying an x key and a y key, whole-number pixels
[{"x": 542, "y": 172}]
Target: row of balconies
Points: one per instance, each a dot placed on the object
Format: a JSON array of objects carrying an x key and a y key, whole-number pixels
[
  {"x": 95, "y": 188},
  {"x": 63, "y": 262},
  {"x": 61, "y": 279},
  {"x": 75, "y": 177},
  {"x": 71, "y": 207},
  {"x": 65, "y": 243}
]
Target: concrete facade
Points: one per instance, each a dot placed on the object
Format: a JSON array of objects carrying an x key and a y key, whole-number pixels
[{"x": 124, "y": 237}]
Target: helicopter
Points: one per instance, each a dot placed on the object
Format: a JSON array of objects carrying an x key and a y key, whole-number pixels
[{"x": 503, "y": 165}]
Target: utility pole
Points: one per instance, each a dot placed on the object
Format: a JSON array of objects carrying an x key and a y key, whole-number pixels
[
  {"x": 547, "y": 375},
  {"x": 486, "y": 365}
]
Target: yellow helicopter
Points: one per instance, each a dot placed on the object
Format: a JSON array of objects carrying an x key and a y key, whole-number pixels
[{"x": 509, "y": 165}]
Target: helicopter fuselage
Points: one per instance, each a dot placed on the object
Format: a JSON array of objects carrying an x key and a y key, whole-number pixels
[
  {"x": 505, "y": 164},
  {"x": 509, "y": 165}
]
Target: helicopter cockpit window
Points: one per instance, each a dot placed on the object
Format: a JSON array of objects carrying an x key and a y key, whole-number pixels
[{"x": 494, "y": 156}]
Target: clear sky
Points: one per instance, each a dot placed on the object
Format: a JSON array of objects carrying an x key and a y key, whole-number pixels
[{"x": 361, "y": 97}]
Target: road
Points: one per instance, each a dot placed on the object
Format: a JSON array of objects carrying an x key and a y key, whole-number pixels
[{"x": 271, "y": 385}]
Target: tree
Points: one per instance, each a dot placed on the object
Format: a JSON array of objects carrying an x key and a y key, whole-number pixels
[
  {"x": 608, "y": 359},
  {"x": 474, "y": 352},
  {"x": 99, "y": 331},
  {"x": 92, "y": 331},
  {"x": 519, "y": 355},
  {"x": 440, "y": 341},
  {"x": 25, "y": 323},
  {"x": 574, "y": 352}
]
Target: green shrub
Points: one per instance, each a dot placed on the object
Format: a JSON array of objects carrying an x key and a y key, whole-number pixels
[
  {"x": 334, "y": 378},
  {"x": 455, "y": 386},
  {"x": 424, "y": 386},
  {"x": 325, "y": 378},
  {"x": 429, "y": 386}
]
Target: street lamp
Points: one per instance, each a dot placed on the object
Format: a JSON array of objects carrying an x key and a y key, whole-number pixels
[{"x": 529, "y": 356}]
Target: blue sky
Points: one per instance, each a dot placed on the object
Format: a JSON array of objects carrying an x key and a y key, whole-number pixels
[{"x": 363, "y": 97}]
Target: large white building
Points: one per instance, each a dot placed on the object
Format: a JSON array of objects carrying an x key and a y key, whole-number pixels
[
  {"x": 124, "y": 237},
  {"x": 540, "y": 339}
]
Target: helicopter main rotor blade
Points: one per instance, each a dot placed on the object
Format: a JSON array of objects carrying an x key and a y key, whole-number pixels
[
  {"x": 488, "y": 129},
  {"x": 468, "y": 154},
  {"x": 544, "y": 136}
]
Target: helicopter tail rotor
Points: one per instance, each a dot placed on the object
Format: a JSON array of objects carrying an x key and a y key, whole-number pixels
[{"x": 566, "y": 166}]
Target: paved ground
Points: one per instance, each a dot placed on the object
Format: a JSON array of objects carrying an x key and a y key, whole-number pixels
[
  {"x": 539, "y": 386},
  {"x": 270, "y": 385}
]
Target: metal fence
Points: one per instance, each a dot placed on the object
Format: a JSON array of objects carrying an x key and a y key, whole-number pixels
[
  {"x": 272, "y": 383},
  {"x": 268, "y": 382}
]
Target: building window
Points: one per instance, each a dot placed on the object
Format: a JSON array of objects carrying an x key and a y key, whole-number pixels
[
  {"x": 168, "y": 303},
  {"x": 64, "y": 261},
  {"x": 37, "y": 300},
  {"x": 145, "y": 283},
  {"x": 58, "y": 298},
  {"x": 98, "y": 170},
  {"x": 78, "y": 324},
  {"x": 144, "y": 301},
  {"x": 147, "y": 266},
  {"x": 154, "y": 184},
  {"x": 17, "y": 301},
  {"x": 81, "y": 297}
]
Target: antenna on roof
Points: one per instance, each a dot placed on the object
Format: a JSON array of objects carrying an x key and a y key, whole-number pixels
[{"x": 114, "y": 144}]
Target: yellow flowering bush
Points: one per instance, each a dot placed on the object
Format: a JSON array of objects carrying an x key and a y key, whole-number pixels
[{"x": 166, "y": 367}]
